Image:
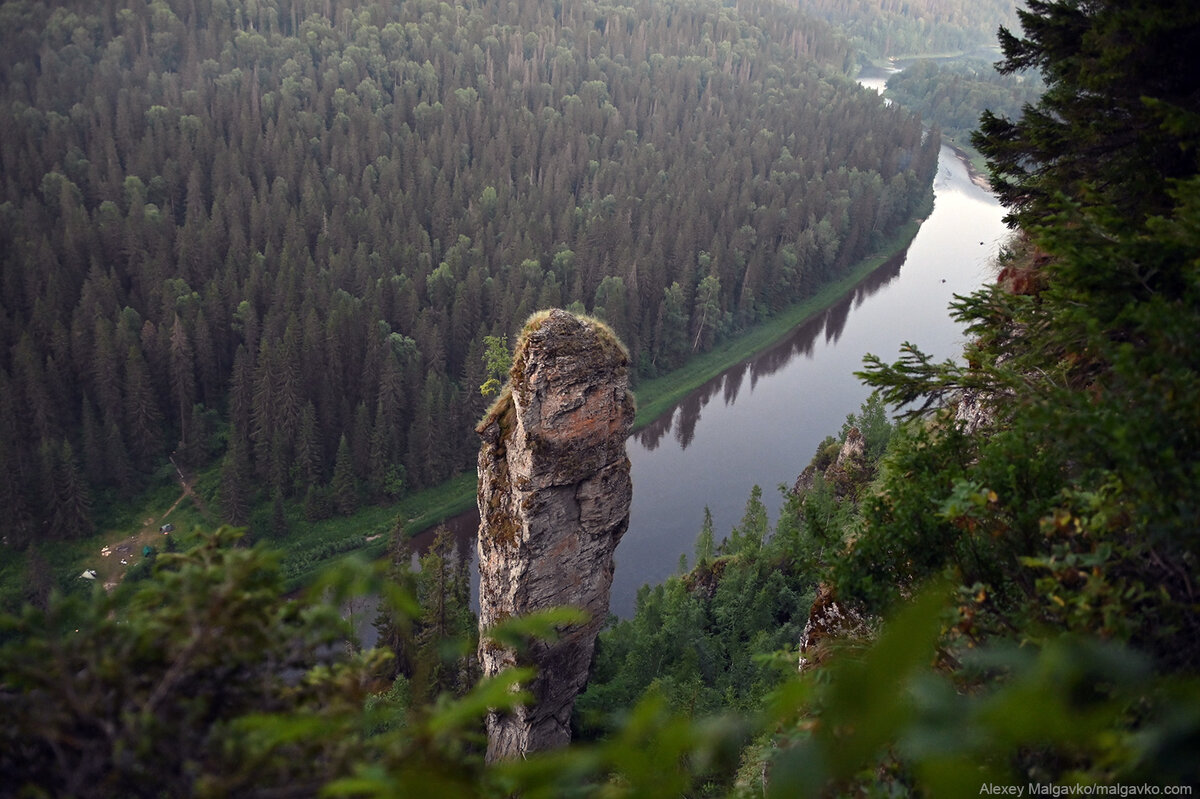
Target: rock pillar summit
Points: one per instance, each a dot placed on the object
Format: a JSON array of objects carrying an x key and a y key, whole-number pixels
[{"x": 554, "y": 494}]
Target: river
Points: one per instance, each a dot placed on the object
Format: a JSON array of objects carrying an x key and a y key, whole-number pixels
[{"x": 760, "y": 422}]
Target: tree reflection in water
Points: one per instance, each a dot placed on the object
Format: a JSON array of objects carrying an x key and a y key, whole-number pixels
[{"x": 799, "y": 342}]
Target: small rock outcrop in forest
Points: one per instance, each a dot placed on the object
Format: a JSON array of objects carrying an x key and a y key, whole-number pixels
[
  {"x": 846, "y": 473},
  {"x": 828, "y": 619},
  {"x": 554, "y": 494}
]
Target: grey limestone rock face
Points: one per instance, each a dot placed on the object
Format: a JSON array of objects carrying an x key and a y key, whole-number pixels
[{"x": 554, "y": 494}]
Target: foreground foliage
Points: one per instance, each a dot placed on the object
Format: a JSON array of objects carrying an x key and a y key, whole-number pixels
[
  {"x": 100, "y": 693},
  {"x": 206, "y": 681}
]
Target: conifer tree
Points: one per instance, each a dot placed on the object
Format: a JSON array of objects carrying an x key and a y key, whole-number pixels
[
  {"x": 106, "y": 374},
  {"x": 94, "y": 462},
  {"x": 38, "y": 579},
  {"x": 307, "y": 465},
  {"x": 671, "y": 328},
  {"x": 241, "y": 392},
  {"x": 444, "y": 592},
  {"x": 378, "y": 459},
  {"x": 1111, "y": 128},
  {"x": 117, "y": 460},
  {"x": 195, "y": 451},
  {"x": 360, "y": 441},
  {"x": 183, "y": 376},
  {"x": 141, "y": 415},
  {"x": 263, "y": 409},
  {"x": 395, "y": 632},
  {"x": 71, "y": 511},
  {"x": 279, "y": 522},
  {"x": 705, "y": 547},
  {"x": 235, "y": 483},
  {"x": 344, "y": 484}
]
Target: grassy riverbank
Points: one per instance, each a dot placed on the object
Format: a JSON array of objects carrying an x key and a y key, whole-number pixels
[
  {"x": 309, "y": 546},
  {"x": 313, "y": 545},
  {"x": 115, "y": 552}
]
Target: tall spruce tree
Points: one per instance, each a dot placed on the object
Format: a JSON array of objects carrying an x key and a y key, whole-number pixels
[
  {"x": 235, "y": 483},
  {"x": 444, "y": 634},
  {"x": 344, "y": 484},
  {"x": 71, "y": 511},
  {"x": 1118, "y": 121}
]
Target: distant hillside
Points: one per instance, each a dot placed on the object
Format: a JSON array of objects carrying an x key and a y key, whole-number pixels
[
  {"x": 952, "y": 96},
  {"x": 889, "y": 28},
  {"x": 277, "y": 233}
]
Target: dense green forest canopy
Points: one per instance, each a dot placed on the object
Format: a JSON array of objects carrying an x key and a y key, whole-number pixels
[{"x": 278, "y": 233}]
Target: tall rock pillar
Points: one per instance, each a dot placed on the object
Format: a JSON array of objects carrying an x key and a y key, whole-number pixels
[{"x": 554, "y": 494}]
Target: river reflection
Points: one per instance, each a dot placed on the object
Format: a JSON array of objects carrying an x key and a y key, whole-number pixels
[{"x": 826, "y": 326}]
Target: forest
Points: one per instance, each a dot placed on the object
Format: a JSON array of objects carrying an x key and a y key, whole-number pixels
[
  {"x": 952, "y": 95},
  {"x": 887, "y": 29},
  {"x": 275, "y": 235}
]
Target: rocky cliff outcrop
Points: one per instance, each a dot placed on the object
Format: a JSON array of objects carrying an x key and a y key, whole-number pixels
[
  {"x": 828, "y": 620},
  {"x": 845, "y": 473},
  {"x": 554, "y": 493}
]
